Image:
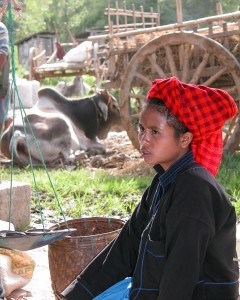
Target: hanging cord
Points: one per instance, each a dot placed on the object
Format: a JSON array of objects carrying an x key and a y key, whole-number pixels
[{"x": 23, "y": 115}]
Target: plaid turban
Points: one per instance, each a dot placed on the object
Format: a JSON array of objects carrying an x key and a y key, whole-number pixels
[{"x": 203, "y": 110}]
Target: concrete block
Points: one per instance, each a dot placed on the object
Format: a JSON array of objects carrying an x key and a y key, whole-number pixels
[
  {"x": 19, "y": 204},
  {"x": 6, "y": 226}
]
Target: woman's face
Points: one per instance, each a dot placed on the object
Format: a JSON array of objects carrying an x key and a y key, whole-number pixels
[{"x": 158, "y": 143}]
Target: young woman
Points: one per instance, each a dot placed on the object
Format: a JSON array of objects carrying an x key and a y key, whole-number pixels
[{"x": 180, "y": 242}]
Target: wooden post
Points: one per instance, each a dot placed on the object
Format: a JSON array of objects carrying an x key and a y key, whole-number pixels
[
  {"x": 152, "y": 19},
  {"x": 134, "y": 16},
  {"x": 125, "y": 15},
  {"x": 159, "y": 16},
  {"x": 179, "y": 11},
  {"x": 219, "y": 8},
  {"x": 112, "y": 64},
  {"x": 143, "y": 19},
  {"x": 219, "y": 11},
  {"x": 117, "y": 16},
  {"x": 109, "y": 17}
]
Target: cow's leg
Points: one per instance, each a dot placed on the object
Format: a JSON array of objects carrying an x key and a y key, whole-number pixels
[{"x": 95, "y": 148}]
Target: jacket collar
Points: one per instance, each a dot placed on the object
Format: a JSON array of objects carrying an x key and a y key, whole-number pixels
[{"x": 166, "y": 177}]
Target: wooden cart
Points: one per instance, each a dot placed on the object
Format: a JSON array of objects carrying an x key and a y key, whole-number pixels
[{"x": 134, "y": 53}]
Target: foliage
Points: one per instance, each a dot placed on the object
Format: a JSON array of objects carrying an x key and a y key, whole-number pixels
[
  {"x": 53, "y": 81},
  {"x": 193, "y": 9},
  {"x": 81, "y": 192},
  {"x": 229, "y": 175},
  {"x": 83, "y": 15}
]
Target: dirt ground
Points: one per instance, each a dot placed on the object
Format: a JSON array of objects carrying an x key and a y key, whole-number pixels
[
  {"x": 39, "y": 288},
  {"x": 121, "y": 158}
]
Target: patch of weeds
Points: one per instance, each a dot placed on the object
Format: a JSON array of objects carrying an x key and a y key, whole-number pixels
[
  {"x": 228, "y": 176},
  {"x": 96, "y": 193}
]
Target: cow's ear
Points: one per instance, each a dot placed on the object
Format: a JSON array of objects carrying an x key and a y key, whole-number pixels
[{"x": 104, "y": 108}]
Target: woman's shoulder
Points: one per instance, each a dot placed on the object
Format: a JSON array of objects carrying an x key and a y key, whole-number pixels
[
  {"x": 198, "y": 182},
  {"x": 196, "y": 173}
]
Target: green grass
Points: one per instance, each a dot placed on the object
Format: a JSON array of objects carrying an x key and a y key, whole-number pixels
[
  {"x": 96, "y": 193},
  {"x": 81, "y": 192},
  {"x": 229, "y": 178}
]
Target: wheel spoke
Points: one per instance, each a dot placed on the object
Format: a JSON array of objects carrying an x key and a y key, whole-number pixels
[
  {"x": 155, "y": 66},
  {"x": 231, "y": 90},
  {"x": 232, "y": 144},
  {"x": 214, "y": 77},
  {"x": 199, "y": 70},
  {"x": 171, "y": 62},
  {"x": 144, "y": 79},
  {"x": 186, "y": 59},
  {"x": 228, "y": 132},
  {"x": 137, "y": 96}
]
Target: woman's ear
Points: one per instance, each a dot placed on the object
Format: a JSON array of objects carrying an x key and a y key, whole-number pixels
[{"x": 186, "y": 139}]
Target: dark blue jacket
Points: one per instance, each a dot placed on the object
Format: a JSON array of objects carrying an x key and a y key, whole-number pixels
[{"x": 181, "y": 247}]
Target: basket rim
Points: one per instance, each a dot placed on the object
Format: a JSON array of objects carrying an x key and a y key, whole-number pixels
[{"x": 84, "y": 219}]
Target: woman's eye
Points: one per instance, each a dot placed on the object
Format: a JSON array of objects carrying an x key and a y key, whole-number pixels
[
  {"x": 155, "y": 132},
  {"x": 140, "y": 128}
]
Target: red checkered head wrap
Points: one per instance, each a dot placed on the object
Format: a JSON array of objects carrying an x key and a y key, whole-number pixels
[{"x": 203, "y": 110}]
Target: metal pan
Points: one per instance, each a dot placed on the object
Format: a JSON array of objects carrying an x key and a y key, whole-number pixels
[{"x": 31, "y": 239}]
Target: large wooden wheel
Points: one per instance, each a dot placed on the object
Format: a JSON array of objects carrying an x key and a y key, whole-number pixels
[{"x": 191, "y": 57}]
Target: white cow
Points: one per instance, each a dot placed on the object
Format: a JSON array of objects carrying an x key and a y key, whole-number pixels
[{"x": 57, "y": 127}]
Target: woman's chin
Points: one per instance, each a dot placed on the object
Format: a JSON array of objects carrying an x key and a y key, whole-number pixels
[{"x": 148, "y": 161}]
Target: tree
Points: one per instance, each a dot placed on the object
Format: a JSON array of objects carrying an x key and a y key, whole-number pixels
[
  {"x": 82, "y": 15},
  {"x": 32, "y": 20},
  {"x": 193, "y": 9}
]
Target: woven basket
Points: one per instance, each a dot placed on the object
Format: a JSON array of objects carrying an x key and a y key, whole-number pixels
[{"x": 68, "y": 256}]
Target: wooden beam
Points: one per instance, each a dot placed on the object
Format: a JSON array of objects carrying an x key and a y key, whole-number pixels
[{"x": 187, "y": 24}]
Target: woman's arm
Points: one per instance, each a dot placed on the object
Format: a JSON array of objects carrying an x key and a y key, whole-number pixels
[{"x": 116, "y": 262}]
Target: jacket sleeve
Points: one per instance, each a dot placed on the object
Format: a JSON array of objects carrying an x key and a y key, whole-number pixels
[{"x": 116, "y": 262}]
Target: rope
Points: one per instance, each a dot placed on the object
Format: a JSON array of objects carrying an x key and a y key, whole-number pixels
[{"x": 25, "y": 124}]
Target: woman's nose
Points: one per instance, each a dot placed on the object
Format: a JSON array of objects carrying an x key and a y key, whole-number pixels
[{"x": 144, "y": 140}]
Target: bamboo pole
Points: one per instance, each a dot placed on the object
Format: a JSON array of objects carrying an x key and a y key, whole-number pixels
[
  {"x": 179, "y": 11},
  {"x": 108, "y": 14},
  {"x": 152, "y": 19},
  {"x": 219, "y": 11},
  {"x": 134, "y": 16},
  {"x": 112, "y": 12},
  {"x": 117, "y": 16},
  {"x": 159, "y": 16},
  {"x": 142, "y": 13},
  {"x": 219, "y": 8},
  {"x": 125, "y": 16}
]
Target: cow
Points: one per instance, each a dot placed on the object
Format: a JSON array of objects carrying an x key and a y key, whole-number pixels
[
  {"x": 76, "y": 88},
  {"x": 56, "y": 127}
]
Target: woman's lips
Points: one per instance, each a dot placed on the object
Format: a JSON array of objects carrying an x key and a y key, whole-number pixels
[{"x": 145, "y": 152}]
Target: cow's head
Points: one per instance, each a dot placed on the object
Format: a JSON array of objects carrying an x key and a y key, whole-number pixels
[
  {"x": 109, "y": 114},
  {"x": 61, "y": 87}
]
